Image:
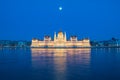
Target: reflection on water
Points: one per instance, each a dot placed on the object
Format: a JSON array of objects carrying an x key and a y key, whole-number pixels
[
  {"x": 63, "y": 60},
  {"x": 60, "y": 64}
]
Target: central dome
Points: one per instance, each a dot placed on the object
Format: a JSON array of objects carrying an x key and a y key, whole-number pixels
[{"x": 60, "y": 34}]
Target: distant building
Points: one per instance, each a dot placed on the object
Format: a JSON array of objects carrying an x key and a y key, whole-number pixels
[
  {"x": 60, "y": 40},
  {"x": 114, "y": 42},
  {"x": 9, "y": 43},
  {"x": 23, "y": 44}
]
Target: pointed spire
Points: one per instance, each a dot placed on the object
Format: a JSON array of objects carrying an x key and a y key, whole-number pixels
[
  {"x": 54, "y": 36},
  {"x": 65, "y": 36}
]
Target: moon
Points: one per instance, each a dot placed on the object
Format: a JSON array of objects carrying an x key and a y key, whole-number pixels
[{"x": 60, "y": 8}]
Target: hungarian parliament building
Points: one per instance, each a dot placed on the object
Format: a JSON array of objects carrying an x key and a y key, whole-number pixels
[{"x": 60, "y": 40}]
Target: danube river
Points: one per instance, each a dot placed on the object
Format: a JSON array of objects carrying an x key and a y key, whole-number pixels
[{"x": 60, "y": 64}]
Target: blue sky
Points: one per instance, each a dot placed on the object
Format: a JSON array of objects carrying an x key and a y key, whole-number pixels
[{"x": 25, "y": 19}]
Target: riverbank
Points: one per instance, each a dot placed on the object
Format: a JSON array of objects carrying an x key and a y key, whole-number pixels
[{"x": 64, "y": 47}]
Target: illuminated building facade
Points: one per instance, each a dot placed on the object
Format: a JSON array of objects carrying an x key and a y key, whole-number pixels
[{"x": 60, "y": 40}]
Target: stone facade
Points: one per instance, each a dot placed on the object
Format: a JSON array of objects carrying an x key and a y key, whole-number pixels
[{"x": 60, "y": 40}]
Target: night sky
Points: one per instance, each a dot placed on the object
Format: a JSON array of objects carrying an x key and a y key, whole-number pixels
[{"x": 25, "y": 19}]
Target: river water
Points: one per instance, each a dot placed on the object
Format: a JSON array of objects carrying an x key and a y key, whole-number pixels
[{"x": 60, "y": 64}]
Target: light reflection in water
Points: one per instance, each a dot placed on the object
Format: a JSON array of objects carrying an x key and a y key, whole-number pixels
[
  {"x": 60, "y": 64},
  {"x": 61, "y": 60}
]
